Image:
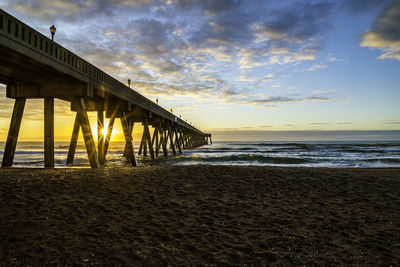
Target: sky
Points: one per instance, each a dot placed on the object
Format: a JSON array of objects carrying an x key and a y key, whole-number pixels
[{"x": 232, "y": 66}]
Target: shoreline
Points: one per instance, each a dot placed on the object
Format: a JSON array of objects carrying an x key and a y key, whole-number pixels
[
  {"x": 128, "y": 166},
  {"x": 201, "y": 214},
  {"x": 286, "y": 154}
]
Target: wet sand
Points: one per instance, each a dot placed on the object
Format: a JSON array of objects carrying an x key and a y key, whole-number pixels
[{"x": 200, "y": 215}]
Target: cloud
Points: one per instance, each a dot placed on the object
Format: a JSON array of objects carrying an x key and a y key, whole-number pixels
[
  {"x": 332, "y": 58},
  {"x": 320, "y": 123},
  {"x": 73, "y": 10},
  {"x": 317, "y": 67},
  {"x": 329, "y": 123},
  {"x": 210, "y": 7},
  {"x": 391, "y": 122},
  {"x": 385, "y": 33},
  {"x": 277, "y": 100},
  {"x": 357, "y": 7},
  {"x": 245, "y": 128},
  {"x": 289, "y": 34},
  {"x": 186, "y": 109},
  {"x": 153, "y": 37},
  {"x": 268, "y": 78},
  {"x": 48, "y": 9},
  {"x": 274, "y": 100},
  {"x": 293, "y": 34},
  {"x": 250, "y": 58},
  {"x": 294, "y": 25},
  {"x": 187, "y": 48},
  {"x": 261, "y": 100},
  {"x": 244, "y": 78}
]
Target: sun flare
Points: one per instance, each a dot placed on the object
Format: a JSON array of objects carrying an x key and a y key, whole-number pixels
[
  {"x": 104, "y": 131},
  {"x": 115, "y": 131}
]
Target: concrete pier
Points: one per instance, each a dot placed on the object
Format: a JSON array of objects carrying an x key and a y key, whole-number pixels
[{"x": 33, "y": 66}]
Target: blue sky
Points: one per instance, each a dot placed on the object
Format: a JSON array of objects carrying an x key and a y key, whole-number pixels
[{"x": 228, "y": 65}]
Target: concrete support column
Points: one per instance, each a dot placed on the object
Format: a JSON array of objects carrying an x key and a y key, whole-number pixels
[
  {"x": 48, "y": 132},
  {"x": 13, "y": 132}
]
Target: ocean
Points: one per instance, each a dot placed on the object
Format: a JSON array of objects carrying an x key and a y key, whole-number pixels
[{"x": 363, "y": 154}]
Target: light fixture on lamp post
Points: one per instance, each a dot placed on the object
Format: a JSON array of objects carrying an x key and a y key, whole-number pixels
[
  {"x": 52, "y": 31},
  {"x": 129, "y": 83}
]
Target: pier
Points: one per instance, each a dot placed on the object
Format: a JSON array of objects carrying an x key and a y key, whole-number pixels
[{"x": 33, "y": 66}]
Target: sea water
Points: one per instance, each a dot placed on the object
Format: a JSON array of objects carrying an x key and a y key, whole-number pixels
[{"x": 336, "y": 154}]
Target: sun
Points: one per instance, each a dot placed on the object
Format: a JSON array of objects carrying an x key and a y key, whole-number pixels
[{"x": 104, "y": 131}]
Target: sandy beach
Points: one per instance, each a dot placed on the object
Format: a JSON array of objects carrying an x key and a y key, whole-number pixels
[{"x": 203, "y": 215}]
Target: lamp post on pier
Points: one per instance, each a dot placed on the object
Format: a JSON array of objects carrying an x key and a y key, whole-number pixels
[{"x": 53, "y": 32}]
